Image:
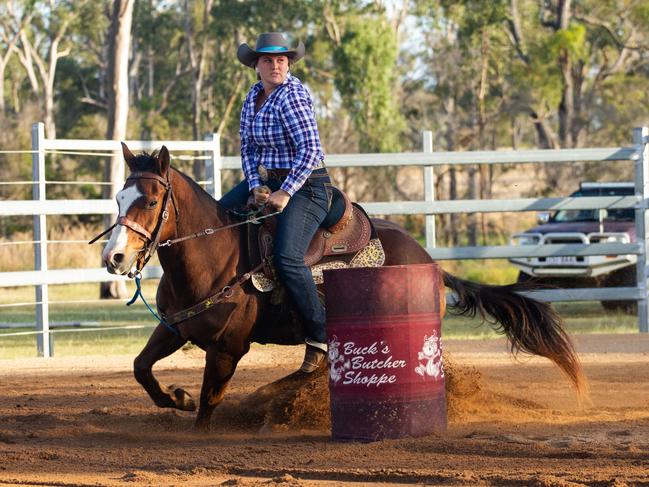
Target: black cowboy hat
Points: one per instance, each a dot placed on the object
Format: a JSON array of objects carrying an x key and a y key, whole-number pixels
[{"x": 270, "y": 43}]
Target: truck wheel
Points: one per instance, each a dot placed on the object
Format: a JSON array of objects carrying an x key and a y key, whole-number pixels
[{"x": 625, "y": 277}]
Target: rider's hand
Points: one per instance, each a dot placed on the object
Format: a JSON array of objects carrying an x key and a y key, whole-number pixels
[
  {"x": 261, "y": 195},
  {"x": 279, "y": 199}
]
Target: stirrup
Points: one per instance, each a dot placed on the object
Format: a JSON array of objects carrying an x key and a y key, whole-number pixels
[{"x": 314, "y": 358}]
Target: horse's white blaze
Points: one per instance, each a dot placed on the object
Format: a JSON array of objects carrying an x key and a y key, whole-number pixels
[
  {"x": 118, "y": 240},
  {"x": 119, "y": 235}
]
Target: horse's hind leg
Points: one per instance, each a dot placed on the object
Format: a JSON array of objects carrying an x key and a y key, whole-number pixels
[
  {"x": 219, "y": 369},
  {"x": 161, "y": 344}
]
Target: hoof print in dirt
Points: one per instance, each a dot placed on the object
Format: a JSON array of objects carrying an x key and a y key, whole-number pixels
[{"x": 100, "y": 411}]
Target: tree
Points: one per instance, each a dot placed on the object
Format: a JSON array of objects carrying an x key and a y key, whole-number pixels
[
  {"x": 119, "y": 40},
  {"x": 198, "y": 59},
  {"x": 40, "y": 47},
  {"x": 526, "y": 73},
  {"x": 11, "y": 29},
  {"x": 366, "y": 79}
]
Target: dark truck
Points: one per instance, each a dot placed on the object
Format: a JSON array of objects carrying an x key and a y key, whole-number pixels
[{"x": 583, "y": 227}]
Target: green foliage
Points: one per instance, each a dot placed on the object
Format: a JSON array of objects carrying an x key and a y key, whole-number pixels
[
  {"x": 572, "y": 40},
  {"x": 613, "y": 113},
  {"x": 366, "y": 80},
  {"x": 473, "y": 16},
  {"x": 538, "y": 83},
  {"x": 454, "y": 67}
]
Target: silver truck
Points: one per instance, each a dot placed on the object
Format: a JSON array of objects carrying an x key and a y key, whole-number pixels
[{"x": 583, "y": 227}]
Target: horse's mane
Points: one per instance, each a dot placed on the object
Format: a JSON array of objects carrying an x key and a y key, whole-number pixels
[{"x": 145, "y": 161}]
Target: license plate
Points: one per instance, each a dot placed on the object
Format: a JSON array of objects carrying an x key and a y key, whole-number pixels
[{"x": 561, "y": 259}]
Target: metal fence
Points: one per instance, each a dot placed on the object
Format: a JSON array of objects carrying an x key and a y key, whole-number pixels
[{"x": 39, "y": 207}]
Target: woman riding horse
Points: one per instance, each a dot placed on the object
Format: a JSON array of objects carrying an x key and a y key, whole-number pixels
[
  {"x": 206, "y": 297},
  {"x": 283, "y": 166}
]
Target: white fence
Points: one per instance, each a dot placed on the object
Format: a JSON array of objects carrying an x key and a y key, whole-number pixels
[{"x": 41, "y": 277}]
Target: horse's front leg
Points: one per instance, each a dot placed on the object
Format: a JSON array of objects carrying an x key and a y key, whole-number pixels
[
  {"x": 161, "y": 344},
  {"x": 219, "y": 369}
]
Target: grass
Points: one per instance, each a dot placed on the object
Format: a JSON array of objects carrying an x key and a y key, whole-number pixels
[
  {"x": 580, "y": 318},
  {"x": 492, "y": 271},
  {"x": 72, "y": 251},
  {"x": 71, "y": 341}
]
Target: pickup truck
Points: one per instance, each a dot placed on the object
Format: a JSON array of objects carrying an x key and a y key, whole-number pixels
[{"x": 583, "y": 227}]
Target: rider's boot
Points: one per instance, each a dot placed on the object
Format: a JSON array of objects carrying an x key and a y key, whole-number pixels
[{"x": 315, "y": 356}]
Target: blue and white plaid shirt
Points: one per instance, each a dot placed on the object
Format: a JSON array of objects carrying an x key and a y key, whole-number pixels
[{"x": 282, "y": 135}]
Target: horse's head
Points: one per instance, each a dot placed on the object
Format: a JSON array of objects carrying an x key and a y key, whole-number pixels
[{"x": 143, "y": 210}]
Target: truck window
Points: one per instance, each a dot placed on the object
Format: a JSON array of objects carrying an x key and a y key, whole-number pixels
[{"x": 626, "y": 214}]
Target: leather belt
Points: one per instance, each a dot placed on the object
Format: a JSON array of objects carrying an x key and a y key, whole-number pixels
[{"x": 281, "y": 174}]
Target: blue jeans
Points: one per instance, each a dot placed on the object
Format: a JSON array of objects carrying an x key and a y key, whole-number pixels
[{"x": 296, "y": 226}]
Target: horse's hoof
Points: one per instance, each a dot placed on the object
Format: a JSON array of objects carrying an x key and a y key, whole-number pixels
[{"x": 184, "y": 400}]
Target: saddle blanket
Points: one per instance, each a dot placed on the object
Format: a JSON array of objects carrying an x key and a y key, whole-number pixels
[{"x": 372, "y": 255}]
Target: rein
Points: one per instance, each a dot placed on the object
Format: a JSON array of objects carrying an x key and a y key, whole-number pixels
[
  {"x": 209, "y": 231},
  {"x": 182, "y": 315}
]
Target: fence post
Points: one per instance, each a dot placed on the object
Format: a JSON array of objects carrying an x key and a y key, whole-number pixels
[
  {"x": 43, "y": 339},
  {"x": 429, "y": 190},
  {"x": 213, "y": 166},
  {"x": 642, "y": 221}
]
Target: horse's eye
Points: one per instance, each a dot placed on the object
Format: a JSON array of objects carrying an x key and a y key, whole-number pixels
[{"x": 152, "y": 204}]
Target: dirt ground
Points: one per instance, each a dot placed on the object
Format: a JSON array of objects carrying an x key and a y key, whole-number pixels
[{"x": 85, "y": 421}]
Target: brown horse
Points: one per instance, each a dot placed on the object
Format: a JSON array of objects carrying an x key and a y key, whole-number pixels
[{"x": 161, "y": 204}]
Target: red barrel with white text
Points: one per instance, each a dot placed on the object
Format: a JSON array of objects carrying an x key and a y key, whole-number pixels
[{"x": 386, "y": 376}]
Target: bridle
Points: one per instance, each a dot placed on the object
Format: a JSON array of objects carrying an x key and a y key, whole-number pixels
[{"x": 151, "y": 239}]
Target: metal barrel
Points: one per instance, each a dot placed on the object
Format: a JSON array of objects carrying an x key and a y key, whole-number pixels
[{"x": 386, "y": 377}]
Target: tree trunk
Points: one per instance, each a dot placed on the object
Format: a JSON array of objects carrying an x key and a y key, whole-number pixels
[
  {"x": 566, "y": 106},
  {"x": 449, "y": 138},
  {"x": 2, "y": 91},
  {"x": 546, "y": 137},
  {"x": 472, "y": 221},
  {"x": 4, "y": 61},
  {"x": 474, "y": 171},
  {"x": 198, "y": 62},
  {"x": 118, "y": 105},
  {"x": 48, "y": 109},
  {"x": 578, "y": 88}
]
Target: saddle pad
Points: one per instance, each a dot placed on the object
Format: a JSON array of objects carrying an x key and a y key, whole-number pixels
[{"x": 372, "y": 255}]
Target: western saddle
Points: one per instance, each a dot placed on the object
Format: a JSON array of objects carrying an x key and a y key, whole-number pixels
[{"x": 345, "y": 232}]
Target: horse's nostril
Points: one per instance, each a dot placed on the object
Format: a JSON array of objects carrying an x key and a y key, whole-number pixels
[{"x": 118, "y": 258}]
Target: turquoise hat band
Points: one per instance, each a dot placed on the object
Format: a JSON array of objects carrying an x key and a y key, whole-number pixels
[{"x": 273, "y": 49}]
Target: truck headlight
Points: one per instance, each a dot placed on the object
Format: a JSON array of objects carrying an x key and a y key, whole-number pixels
[
  {"x": 525, "y": 239},
  {"x": 617, "y": 239}
]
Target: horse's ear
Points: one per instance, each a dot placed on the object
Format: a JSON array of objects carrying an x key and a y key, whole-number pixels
[
  {"x": 128, "y": 157},
  {"x": 163, "y": 161}
]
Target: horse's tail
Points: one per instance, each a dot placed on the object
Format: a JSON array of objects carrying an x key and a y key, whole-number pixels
[{"x": 530, "y": 325}]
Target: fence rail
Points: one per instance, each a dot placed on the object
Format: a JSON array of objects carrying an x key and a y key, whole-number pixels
[{"x": 39, "y": 208}]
